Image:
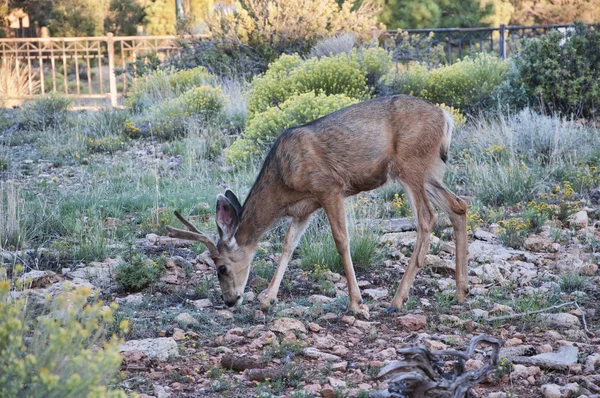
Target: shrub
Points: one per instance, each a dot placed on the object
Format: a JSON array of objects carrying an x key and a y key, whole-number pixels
[
  {"x": 289, "y": 76},
  {"x": 14, "y": 82},
  {"x": 169, "y": 119},
  {"x": 64, "y": 351},
  {"x": 562, "y": 72},
  {"x": 329, "y": 46},
  {"x": 165, "y": 84},
  {"x": 375, "y": 62},
  {"x": 137, "y": 273},
  {"x": 266, "y": 126},
  {"x": 465, "y": 85},
  {"x": 49, "y": 111}
]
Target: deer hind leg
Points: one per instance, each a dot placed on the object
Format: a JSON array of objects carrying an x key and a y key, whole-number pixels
[
  {"x": 268, "y": 296},
  {"x": 426, "y": 220},
  {"x": 334, "y": 209},
  {"x": 456, "y": 209}
]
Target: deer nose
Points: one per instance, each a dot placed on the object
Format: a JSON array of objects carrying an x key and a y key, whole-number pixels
[{"x": 231, "y": 303}]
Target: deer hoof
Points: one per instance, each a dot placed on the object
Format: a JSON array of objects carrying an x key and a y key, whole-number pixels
[
  {"x": 361, "y": 312},
  {"x": 391, "y": 310},
  {"x": 265, "y": 301}
]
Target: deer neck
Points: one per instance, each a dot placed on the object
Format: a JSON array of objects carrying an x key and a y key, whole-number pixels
[{"x": 259, "y": 214}]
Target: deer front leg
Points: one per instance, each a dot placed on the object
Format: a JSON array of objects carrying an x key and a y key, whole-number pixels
[
  {"x": 268, "y": 296},
  {"x": 334, "y": 208}
]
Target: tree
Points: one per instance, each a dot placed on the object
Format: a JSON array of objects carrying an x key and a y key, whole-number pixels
[
  {"x": 160, "y": 17},
  {"x": 77, "y": 17},
  {"x": 529, "y": 12},
  {"x": 464, "y": 14},
  {"x": 123, "y": 17}
]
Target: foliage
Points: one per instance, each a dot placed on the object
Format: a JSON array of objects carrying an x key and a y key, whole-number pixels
[
  {"x": 411, "y": 14},
  {"x": 562, "y": 73},
  {"x": 164, "y": 84},
  {"x": 168, "y": 119},
  {"x": 334, "y": 45},
  {"x": 465, "y": 85},
  {"x": 290, "y": 75},
  {"x": 56, "y": 353},
  {"x": 546, "y": 12},
  {"x": 266, "y": 126},
  {"x": 123, "y": 17},
  {"x": 160, "y": 18},
  {"x": 70, "y": 18},
  {"x": 137, "y": 272},
  {"x": 407, "y": 48},
  {"x": 286, "y": 25},
  {"x": 14, "y": 82},
  {"x": 49, "y": 111},
  {"x": 11, "y": 207}
]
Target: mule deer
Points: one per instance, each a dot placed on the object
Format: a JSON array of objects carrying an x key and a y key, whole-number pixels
[{"x": 317, "y": 165}]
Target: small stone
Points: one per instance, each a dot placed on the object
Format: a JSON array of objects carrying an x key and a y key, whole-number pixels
[
  {"x": 387, "y": 353},
  {"x": 178, "y": 334},
  {"x": 497, "y": 395},
  {"x": 341, "y": 366},
  {"x": 434, "y": 344},
  {"x": 312, "y": 388},
  {"x": 348, "y": 320},
  {"x": 285, "y": 325},
  {"x": 551, "y": 391},
  {"x": 544, "y": 348},
  {"x": 312, "y": 352},
  {"x": 202, "y": 303},
  {"x": 592, "y": 363},
  {"x": 336, "y": 383},
  {"x": 513, "y": 342},
  {"x": 501, "y": 309},
  {"x": 473, "y": 364},
  {"x": 314, "y": 327},
  {"x": 412, "y": 322},
  {"x": 185, "y": 319},
  {"x": 578, "y": 220},
  {"x": 249, "y": 296},
  {"x": 161, "y": 348},
  {"x": 519, "y": 371},
  {"x": 562, "y": 319},
  {"x": 376, "y": 294},
  {"x": 317, "y": 299},
  {"x": 479, "y": 313}
]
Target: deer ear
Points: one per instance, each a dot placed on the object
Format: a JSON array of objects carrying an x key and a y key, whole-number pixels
[
  {"x": 227, "y": 219},
  {"x": 234, "y": 201}
]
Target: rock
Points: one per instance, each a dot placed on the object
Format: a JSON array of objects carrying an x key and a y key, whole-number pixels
[
  {"x": 185, "y": 319},
  {"x": 513, "y": 342},
  {"x": 412, "y": 322},
  {"x": 544, "y": 348},
  {"x": 249, "y": 296},
  {"x": 561, "y": 319},
  {"x": 497, "y": 395},
  {"x": 550, "y": 391},
  {"x": 520, "y": 371},
  {"x": 560, "y": 360},
  {"x": 286, "y": 325},
  {"x": 434, "y": 344},
  {"x": 161, "y": 348},
  {"x": 317, "y": 299},
  {"x": 202, "y": 303},
  {"x": 37, "y": 279},
  {"x": 479, "y": 313},
  {"x": 501, "y": 309},
  {"x": 178, "y": 334},
  {"x": 536, "y": 243},
  {"x": 578, "y": 220},
  {"x": 438, "y": 264},
  {"x": 98, "y": 273},
  {"x": 312, "y": 352},
  {"x": 336, "y": 383},
  {"x": 161, "y": 392},
  {"x": 387, "y": 353},
  {"x": 484, "y": 235},
  {"x": 489, "y": 273},
  {"x": 314, "y": 327},
  {"x": 131, "y": 299},
  {"x": 339, "y": 366},
  {"x": 592, "y": 362},
  {"x": 376, "y": 294},
  {"x": 473, "y": 364}
]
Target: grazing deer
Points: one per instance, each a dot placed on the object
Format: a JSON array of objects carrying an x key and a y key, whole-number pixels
[{"x": 317, "y": 165}]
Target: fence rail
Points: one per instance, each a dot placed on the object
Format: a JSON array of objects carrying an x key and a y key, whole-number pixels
[
  {"x": 459, "y": 42},
  {"x": 82, "y": 67},
  {"x": 85, "y": 67}
]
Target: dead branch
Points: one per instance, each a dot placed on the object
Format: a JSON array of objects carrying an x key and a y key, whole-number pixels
[
  {"x": 421, "y": 372},
  {"x": 240, "y": 363}
]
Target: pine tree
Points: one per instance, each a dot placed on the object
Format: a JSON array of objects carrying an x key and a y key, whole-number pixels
[{"x": 160, "y": 18}]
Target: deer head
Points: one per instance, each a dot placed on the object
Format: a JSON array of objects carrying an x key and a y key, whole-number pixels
[{"x": 232, "y": 261}]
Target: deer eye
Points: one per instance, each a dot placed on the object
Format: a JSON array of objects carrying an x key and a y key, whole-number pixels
[{"x": 222, "y": 269}]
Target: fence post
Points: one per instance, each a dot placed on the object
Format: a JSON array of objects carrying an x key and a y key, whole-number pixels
[
  {"x": 111, "y": 69},
  {"x": 502, "y": 41}
]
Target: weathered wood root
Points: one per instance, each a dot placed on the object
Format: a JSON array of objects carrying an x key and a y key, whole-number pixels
[
  {"x": 239, "y": 363},
  {"x": 421, "y": 374}
]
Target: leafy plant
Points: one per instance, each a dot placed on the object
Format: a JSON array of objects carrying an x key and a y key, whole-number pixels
[
  {"x": 56, "y": 352},
  {"x": 137, "y": 273},
  {"x": 49, "y": 111}
]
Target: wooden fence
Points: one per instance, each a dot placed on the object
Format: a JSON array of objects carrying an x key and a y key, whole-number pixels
[{"x": 81, "y": 67}]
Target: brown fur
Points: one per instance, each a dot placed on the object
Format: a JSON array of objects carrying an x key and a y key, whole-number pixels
[{"x": 355, "y": 149}]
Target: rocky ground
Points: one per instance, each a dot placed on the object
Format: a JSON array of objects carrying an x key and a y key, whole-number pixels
[{"x": 183, "y": 342}]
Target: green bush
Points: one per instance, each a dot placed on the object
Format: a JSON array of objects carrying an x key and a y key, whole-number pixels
[
  {"x": 563, "y": 73},
  {"x": 49, "y": 111},
  {"x": 137, "y": 273},
  {"x": 64, "y": 351},
  {"x": 375, "y": 62},
  {"x": 266, "y": 126},
  {"x": 465, "y": 85},
  {"x": 290, "y": 75},
  {"x": 165, "y": 84},
  {"x": 169, "y": 119}
]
